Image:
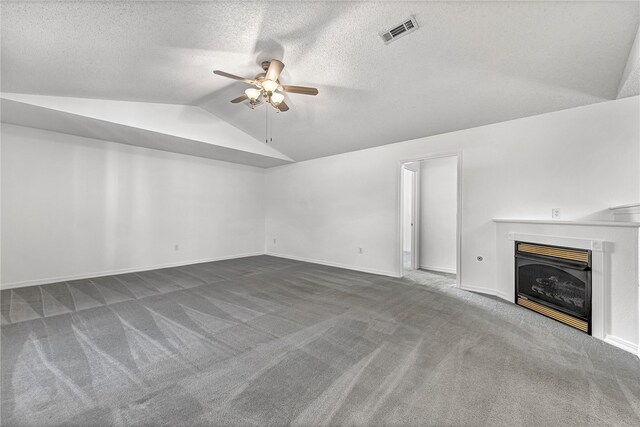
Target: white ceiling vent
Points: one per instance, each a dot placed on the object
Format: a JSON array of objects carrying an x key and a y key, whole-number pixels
[{"x": 409, "y": 25}]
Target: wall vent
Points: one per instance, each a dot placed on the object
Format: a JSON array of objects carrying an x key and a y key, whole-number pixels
[{"x": 409, "y": 25}]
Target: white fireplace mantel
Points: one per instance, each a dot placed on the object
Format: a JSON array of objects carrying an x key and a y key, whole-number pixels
[
  {"x": 615, "y": 269},
  {"x": 564, "y": 222}
]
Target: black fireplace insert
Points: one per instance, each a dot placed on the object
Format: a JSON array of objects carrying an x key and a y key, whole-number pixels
[{"x": 556, "y": 282}]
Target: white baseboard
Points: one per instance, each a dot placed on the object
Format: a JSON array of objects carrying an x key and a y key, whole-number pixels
[
  {"x": 335, "y": 264},
  {"x": 622, "y": 344},
  {"x": 488, "y": 291},
  {"x": 48, "y": 280},
  {"x": 438, "y": 269}
]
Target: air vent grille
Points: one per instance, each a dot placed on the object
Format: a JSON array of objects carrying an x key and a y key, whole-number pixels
[
  {"x": 408, "y": 26},
  {"x": 398, "y": 30}
]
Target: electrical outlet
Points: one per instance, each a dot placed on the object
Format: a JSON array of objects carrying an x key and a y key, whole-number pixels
[
  {"x": 555, "y": 213},
  {"x": 176, "y": 247}
]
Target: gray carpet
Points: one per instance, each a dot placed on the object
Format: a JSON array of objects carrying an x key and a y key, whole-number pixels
[{"x": 264, "y": 340}]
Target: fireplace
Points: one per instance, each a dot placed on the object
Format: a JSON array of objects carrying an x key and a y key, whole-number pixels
[{"x": 555, "y": 282}]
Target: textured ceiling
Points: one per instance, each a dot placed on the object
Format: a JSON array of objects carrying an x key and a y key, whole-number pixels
[
  {"x": 470, "y": 63},
  {"x": 630, "y": 82}
]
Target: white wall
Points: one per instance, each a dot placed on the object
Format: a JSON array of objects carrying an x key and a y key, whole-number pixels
[
  {"x": 438, "y": 220},
  {"x": 580, "y": 160},
  {"x": 73, "y": 206}
]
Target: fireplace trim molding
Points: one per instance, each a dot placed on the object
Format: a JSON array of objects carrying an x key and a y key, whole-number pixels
[{"x": 599, "y": 326}]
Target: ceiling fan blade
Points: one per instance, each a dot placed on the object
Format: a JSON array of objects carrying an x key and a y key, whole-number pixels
[
  {"x": 299, "y": 89},
  {"x": 231, "y": 76},
  {"x": 283, "y": 106},
  {"x": 239, "y": 99},
  {"x": 275, "y": 68}
]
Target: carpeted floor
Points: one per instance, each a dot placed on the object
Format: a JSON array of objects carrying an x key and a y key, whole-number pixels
[{"x": 265, "y": 340}]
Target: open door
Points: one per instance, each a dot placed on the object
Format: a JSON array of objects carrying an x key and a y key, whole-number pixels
[{"x": 410, "y": 216}]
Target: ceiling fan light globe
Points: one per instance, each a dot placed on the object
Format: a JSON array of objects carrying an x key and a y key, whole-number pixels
[
  {"x": 269, "y": 85},
  {"x": 252, "y": 93},
  {"x": 277, "y": 98}
]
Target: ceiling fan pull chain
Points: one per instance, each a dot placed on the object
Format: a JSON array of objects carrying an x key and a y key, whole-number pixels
[{"x": 266, "y": 125}]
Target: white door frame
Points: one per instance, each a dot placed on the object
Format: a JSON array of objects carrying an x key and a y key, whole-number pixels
[{"x": 400, "y": 215}]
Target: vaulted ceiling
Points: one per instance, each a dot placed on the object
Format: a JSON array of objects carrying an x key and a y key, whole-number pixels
[{"x": 469, "y": 63}]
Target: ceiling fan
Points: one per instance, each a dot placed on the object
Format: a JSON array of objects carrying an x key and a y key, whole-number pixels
[{"x": 267, "y": 87}]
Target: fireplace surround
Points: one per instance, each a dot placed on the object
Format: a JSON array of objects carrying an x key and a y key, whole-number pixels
[
  {"x": 614, "y": 246},
  {"x": 554, "y": 281}
]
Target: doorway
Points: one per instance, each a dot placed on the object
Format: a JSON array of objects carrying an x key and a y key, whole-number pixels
[
  {"x": 410, "y": 194},
  {"x": 430, "y": 218}
]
